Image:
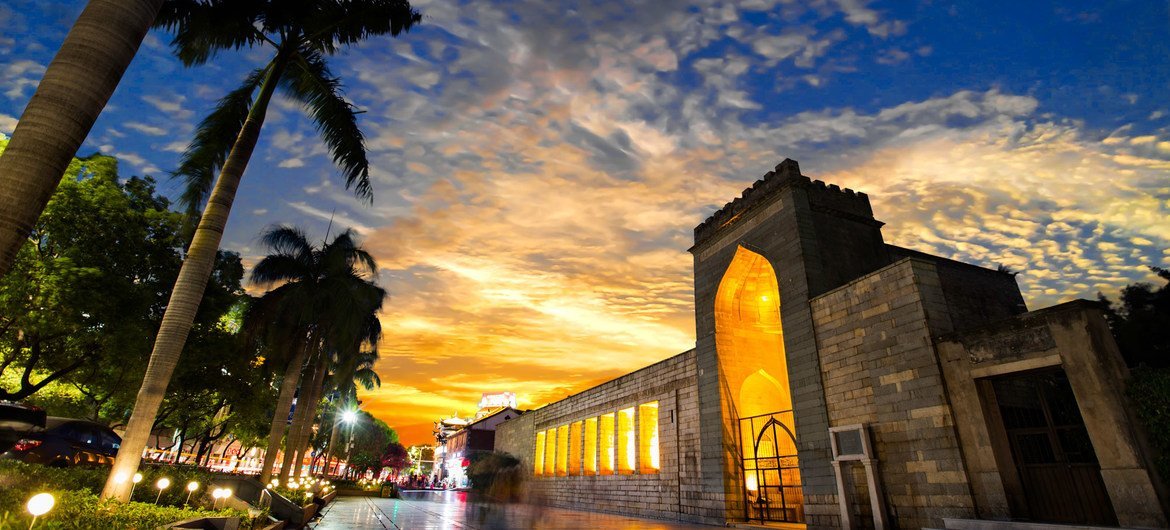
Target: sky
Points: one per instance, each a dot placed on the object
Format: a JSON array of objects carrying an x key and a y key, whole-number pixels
[{"x": 539, "y": 167}]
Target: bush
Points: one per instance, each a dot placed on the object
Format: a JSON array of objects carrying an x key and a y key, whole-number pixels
[
  {"x": 1150, "y": 391},
  {"x": 496, "y": 474},
  {"x": 78, "y": 506}
]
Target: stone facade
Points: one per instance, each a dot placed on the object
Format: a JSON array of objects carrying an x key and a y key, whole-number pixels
[{"x": 800, "y": 305}]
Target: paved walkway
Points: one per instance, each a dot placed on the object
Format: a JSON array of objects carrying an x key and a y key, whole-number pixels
[{"x": 444, "y": 510}]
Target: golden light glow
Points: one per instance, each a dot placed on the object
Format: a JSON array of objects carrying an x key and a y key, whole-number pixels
[
  {"x": 605, "y": 435},
  {"x": 626, "y": 448},
  {"x": 562, "y": 450},
  {"x": 575, "y": 448},
  {"x": 648, "y": 437},
  {"x": 752, "y": 485},
  {"x": 550, "y": 452},
  {"x": 538, "y": 458},
  {"x": 749, "y": 336},
  {"x": 591, "y": 446}
]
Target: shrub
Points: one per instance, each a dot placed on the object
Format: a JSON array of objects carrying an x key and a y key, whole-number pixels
[
  {"x": 495, "y": 474},
  {"x": 78, "y": 506},
  {"x": 1150, "y": 391}
]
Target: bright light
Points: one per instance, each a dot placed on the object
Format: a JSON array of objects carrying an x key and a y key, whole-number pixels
[
  {"x": 275, "y": 482},
  {"x": 40, "y": 504},
  {"x": 137, "y": 478},
  {"x": 227, "y": 492},
  {"x": 752, "y": 485},
  {"x": 120, "y": 478},
  {"x": 192, "y": 486},
  {"x": 349, "y": 416},
  {"x": 163, "y": 483}
]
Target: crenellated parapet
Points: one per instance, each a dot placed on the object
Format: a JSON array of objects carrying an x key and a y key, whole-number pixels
[{"x": 821, "y": 196}]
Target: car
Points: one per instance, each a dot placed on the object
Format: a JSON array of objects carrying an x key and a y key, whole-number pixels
[{"x": 66, "y": 442}]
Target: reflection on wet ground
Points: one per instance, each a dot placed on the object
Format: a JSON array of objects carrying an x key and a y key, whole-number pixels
[{"x": 442, "y": 510}]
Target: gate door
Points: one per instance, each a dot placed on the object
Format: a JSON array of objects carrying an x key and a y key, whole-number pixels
[
  {"x": 771, "y": 471},
  {"x": 1058, "y": 469}
]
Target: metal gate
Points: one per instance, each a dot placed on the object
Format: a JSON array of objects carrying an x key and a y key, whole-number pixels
[{"x": 770, "y": 468}]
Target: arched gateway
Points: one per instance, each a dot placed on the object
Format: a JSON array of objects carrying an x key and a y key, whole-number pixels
[{"x": 750, "y": 343}]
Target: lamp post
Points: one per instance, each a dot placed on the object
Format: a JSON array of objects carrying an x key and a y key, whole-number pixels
[
  {"x": 191, "y": 487},
  {"x": 137, "y": 478},
  {"x": 162, "y": 484},
  {"x": 39, "y": 505}
]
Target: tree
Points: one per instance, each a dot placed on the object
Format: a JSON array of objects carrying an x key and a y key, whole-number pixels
[
  {"x": 87, "y": 290},
  {"x": 370, "y": 436},
  {"x": 1141, "y": 322},
  {"x": 74, "y": 90},
  {"x": 396, "y": 458},
  {"x": 327, "y": 303},
  {"x": 302, "y": 35}
]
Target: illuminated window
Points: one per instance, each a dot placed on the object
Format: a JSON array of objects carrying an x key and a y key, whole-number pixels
[
  {"x": 625, "y": 441},
  {"x": 591, "y": 446},
  {"x": 575, "y": 448},
  {"x": 550, "y": 452},
  {"x": 562, "y": 450},
  {"x": 538, "y": 459},
  {"x": 605, "y": 437},
  {"x": 648, "y": 437}
]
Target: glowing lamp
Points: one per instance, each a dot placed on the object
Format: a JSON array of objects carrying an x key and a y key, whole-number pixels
[
  {"x": 349, "y": 416},
  {"x": 137, "y": 478},
  {"x": 163, "y": 483},
  {"x": 40, "y": 504},
  {"x": 192, "y": 486}
]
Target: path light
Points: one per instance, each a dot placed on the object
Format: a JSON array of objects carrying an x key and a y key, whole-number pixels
[
  {"x": 137, "y": 478},
  {"x": 39, "y": 505},
  {"x": 216, "y": 494},
  {"x": 162, "y": 485},
  {"x": 191, "y": 487}
]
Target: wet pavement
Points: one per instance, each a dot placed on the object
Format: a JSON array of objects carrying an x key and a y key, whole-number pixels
[{"x": 443, "y": 510}]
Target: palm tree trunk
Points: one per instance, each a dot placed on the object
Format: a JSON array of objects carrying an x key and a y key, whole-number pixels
[
  {"x": 288, "y": 389},
  {"x": 303, "y": 421},
  {"x": 305, "y": 435},
  {"x": 188, "y": 291},
  {"x": 330, "y": 451},
  {"x": 75, "y": 89}
]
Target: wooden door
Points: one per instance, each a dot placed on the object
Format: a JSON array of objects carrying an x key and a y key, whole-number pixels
[{"x": 1058, "y": 471}]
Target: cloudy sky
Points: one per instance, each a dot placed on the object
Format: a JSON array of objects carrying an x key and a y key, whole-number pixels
[{"x": 539, "y": 165}]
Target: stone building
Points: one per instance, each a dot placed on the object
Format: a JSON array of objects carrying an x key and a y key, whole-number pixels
[{"x": 841, "y": 382}]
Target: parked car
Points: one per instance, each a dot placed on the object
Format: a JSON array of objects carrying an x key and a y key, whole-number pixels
[
  {"x": 17, "y": 419},
  {"x": 66, "y": 442}
]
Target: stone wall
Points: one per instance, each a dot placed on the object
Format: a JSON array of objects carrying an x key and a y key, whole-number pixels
[
  {"x": 674, "y": 492},
  {"x": 880, "y": 369}
]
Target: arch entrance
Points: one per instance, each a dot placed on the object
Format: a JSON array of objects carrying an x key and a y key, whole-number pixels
[{"x": 749, "y": 341}]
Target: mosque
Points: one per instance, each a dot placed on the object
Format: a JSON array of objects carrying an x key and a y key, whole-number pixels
[{"x": 838, "y": 381}]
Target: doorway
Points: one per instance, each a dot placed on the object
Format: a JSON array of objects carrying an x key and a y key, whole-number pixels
[{"x": 1043, "y": 436}]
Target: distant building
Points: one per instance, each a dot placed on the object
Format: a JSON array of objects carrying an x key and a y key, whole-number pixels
[
  {"x": 478, "y": 436},
  {"x": 841, "y": 382}
]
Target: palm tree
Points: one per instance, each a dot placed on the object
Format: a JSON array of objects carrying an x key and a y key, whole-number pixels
[
  {"x": 359, "y": 370},
  {"x": 324, "y": 298},
  {"x": 302, "y": 33},
  {"x": 75, "y": 89}
]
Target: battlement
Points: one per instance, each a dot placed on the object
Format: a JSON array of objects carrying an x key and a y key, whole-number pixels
[{"x": 787, "y": 173}]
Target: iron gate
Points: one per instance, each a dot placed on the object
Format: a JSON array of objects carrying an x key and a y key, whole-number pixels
[{"x": 770, "y": 468}]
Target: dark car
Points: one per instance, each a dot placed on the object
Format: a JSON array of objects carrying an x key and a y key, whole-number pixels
[{"x": 66, "y": 442}]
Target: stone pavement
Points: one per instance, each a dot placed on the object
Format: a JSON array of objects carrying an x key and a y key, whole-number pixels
[{"x": 443, "y": 510}]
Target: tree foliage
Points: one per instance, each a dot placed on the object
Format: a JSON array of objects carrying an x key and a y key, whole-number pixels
[{"x": 1141, "y": 322}]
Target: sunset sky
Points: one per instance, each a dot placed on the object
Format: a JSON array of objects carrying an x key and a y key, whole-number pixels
[{"x": 539, "y": 165}]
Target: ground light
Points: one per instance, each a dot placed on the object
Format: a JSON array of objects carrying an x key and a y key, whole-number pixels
[
  {"x": 137, "y": 478},
  {"x": 162, "y": 485},
  {"x": 39, "y": 505},
  {"x": 191, "y": 487}
]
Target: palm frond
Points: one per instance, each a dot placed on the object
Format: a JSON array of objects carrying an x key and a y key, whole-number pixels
[
  {"x": 214, "y": 138},
  {"x": 342, "y": 23},
  {"x": 309, "y": 81},
  {"x": 203, "y": 28}
]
